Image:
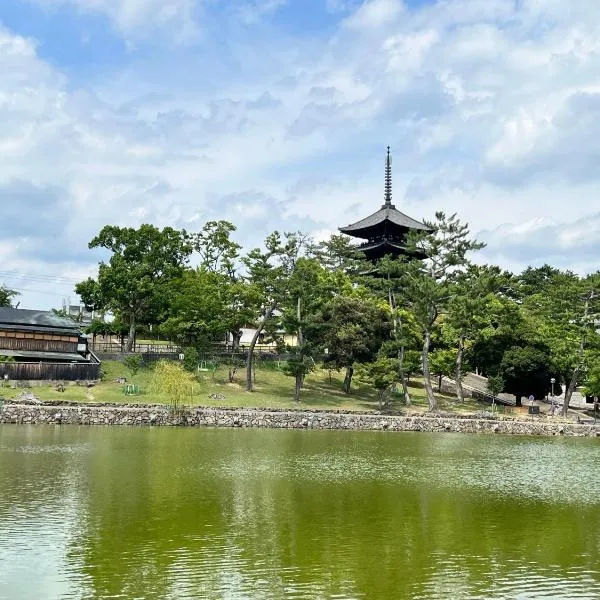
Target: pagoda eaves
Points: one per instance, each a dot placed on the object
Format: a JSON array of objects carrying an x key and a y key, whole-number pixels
[{"x": 386, "y": 229}]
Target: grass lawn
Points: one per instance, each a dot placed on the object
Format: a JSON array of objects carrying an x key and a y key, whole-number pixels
[{"x": 273, "y": 389}]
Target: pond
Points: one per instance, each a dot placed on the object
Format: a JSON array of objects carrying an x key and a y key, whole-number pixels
[{"x": 159, "y": 513}]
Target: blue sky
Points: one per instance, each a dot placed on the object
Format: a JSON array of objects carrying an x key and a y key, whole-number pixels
[{"x": 275, "y": 114}]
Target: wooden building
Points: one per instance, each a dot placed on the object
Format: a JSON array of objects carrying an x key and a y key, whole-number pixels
[
  {"x": 384, "y": 232},
  {"x": 41, "y": 345}
]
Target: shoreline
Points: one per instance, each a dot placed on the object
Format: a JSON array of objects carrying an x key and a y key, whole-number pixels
[{"x": 158, "y": 415}]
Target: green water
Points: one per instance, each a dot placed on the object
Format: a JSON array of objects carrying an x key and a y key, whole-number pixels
[{"x": 263, "y": 514}]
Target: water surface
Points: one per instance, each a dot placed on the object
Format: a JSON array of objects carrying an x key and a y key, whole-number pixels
[{"x": 99, "y": 513}]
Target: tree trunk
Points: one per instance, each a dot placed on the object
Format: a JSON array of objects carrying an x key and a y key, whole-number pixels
[
  {"x": 298, "y": 387},
  {"x": 348, "y": 380},
  {"x": 574, "y": 379},
  {"x": 518, "y": 400},
  {"x": 380, "y": 396},
  {"x": 236, "y": 337},
  {"x": 458, "y": 372},
  {"x": 403, "y": 376},
  {"x": 575, "y": 376},
  {"x": 426, "y": 373},
  {"x": 299, "y": 317},
  {"x": 131, "y": 338},
  {"x": 250, "y": 358}
]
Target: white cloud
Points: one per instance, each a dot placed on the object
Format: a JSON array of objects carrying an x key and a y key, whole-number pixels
[
  {"x": 136, "y": 19},
  {"x": 255, "y": 11},
  {"x": 492, "y": 110}
]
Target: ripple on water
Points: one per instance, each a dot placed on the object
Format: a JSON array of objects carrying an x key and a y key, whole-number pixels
[{"x": 180, "y": 515}]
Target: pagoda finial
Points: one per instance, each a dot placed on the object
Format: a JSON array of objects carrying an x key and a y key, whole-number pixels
[{"x": 388, "y": 179}]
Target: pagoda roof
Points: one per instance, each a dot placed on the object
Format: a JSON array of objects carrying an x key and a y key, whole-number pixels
[{"x": 388, "y": 212}]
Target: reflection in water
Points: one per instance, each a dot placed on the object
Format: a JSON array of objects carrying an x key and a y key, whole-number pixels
[{"x": 100, "y": 513}]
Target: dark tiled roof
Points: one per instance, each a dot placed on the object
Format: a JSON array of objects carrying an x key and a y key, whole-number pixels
[
  {"x": 40, "y": 355},
  {"x": 35, "y": 319},
  {"x": 389, "y": 213}
]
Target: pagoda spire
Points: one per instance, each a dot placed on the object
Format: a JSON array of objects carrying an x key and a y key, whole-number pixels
[{"x": 388, "y": 179}]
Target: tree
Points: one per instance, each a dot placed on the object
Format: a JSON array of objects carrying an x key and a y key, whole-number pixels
[
  {"x": 442, "y": 363},
  {"x": 591, "y": 385},
  {"x": 171, "y": 379},
  {"x": 299, "y": 364},
  {"x": 7, "y": 295},
  {"x": 438, "y": 257},
  {"x": 268, "y": 275},
  {"x": 133, "y": 363},
  {"x": 525, "y": 371},
  {"x": 133, "y": 282},
  {"x": 310, "y": 286},
  {"x": 352, "y": 329},
  {"x": 469, "y": 310},
  {"x": 218, "y": 252},
  {"x": 382, "y": 374},
  {"x": 495, "y": 385},
  {"x": 565, "y": 313}
]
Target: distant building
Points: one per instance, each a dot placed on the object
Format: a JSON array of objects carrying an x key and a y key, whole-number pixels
[
  {"x": 384, "y": 231},
  {"x": 79, "y": 313},
  {"x": 41, "y": 345}
]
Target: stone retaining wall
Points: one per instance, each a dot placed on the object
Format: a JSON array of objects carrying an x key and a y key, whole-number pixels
[{"x": 159, "y": 415}]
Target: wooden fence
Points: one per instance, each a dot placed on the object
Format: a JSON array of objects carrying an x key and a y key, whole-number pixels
[{"x": 49, "y": 371}]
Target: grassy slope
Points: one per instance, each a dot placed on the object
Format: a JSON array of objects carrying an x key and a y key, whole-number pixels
[{"x": 272, "y": 390}]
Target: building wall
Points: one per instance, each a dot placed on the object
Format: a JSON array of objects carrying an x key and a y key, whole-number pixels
[{"x": 17, "y": 340}]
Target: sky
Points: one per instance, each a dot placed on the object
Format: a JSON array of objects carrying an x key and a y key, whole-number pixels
[{"x": 275, "y": 114}]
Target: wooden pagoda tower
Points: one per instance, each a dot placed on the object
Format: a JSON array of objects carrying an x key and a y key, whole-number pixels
[{"x": 384, "y": 232}]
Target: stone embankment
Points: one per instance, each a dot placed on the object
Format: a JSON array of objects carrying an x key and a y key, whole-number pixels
[{"x": 160, "y": 415}]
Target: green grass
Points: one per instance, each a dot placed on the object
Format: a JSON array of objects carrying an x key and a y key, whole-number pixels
[{"x": 273, "y": 389}]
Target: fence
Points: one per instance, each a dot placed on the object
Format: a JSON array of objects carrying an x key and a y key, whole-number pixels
[
  {"x": 115, "y": 348},
  {"x": 49, "y": 371}
]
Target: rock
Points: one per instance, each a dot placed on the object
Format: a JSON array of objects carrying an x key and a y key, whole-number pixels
[
  {"x": 57, "y": 417},
  {"x": 304, "y": 422},
  {"x": 384, "y": 424},
  {"x": 447, "y": 426},
  {"x": 496, "y": 428},
  {"x": 27, "y": 398}
]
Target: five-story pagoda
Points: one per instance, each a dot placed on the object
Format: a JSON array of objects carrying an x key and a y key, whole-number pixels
[{"x": 384, "y": 231}]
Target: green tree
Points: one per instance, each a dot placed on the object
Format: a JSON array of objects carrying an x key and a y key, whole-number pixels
[
  {"x": 218, "y": 252},
  {"x": 526, "y": 371},
  {"x": 406, "y": 338},
  {"x": 472, "y": 296},
  {"x": 352, "y": 328},
  {"x": 381, "y": 374},
  {"x": 591, "y": 386},
  {"x": 310, "y": 286},
  {"x": 133, "y": 363},
  {"x": 7, "y": 295},
  {"x": 442, "y": 363},
  {"x": 268, "y": 274},
  {"x": 495, "y": 386},
  {"x": 133, "y": 282},
  {"x": 565, "y": 313},
  {"x": 438, "y": 257},
  {"x": 299, "y": 364},
  {"x": 171, "y": 379}
]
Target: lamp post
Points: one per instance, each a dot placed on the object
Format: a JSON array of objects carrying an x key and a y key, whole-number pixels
[{"x": 552, "y": 382}]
